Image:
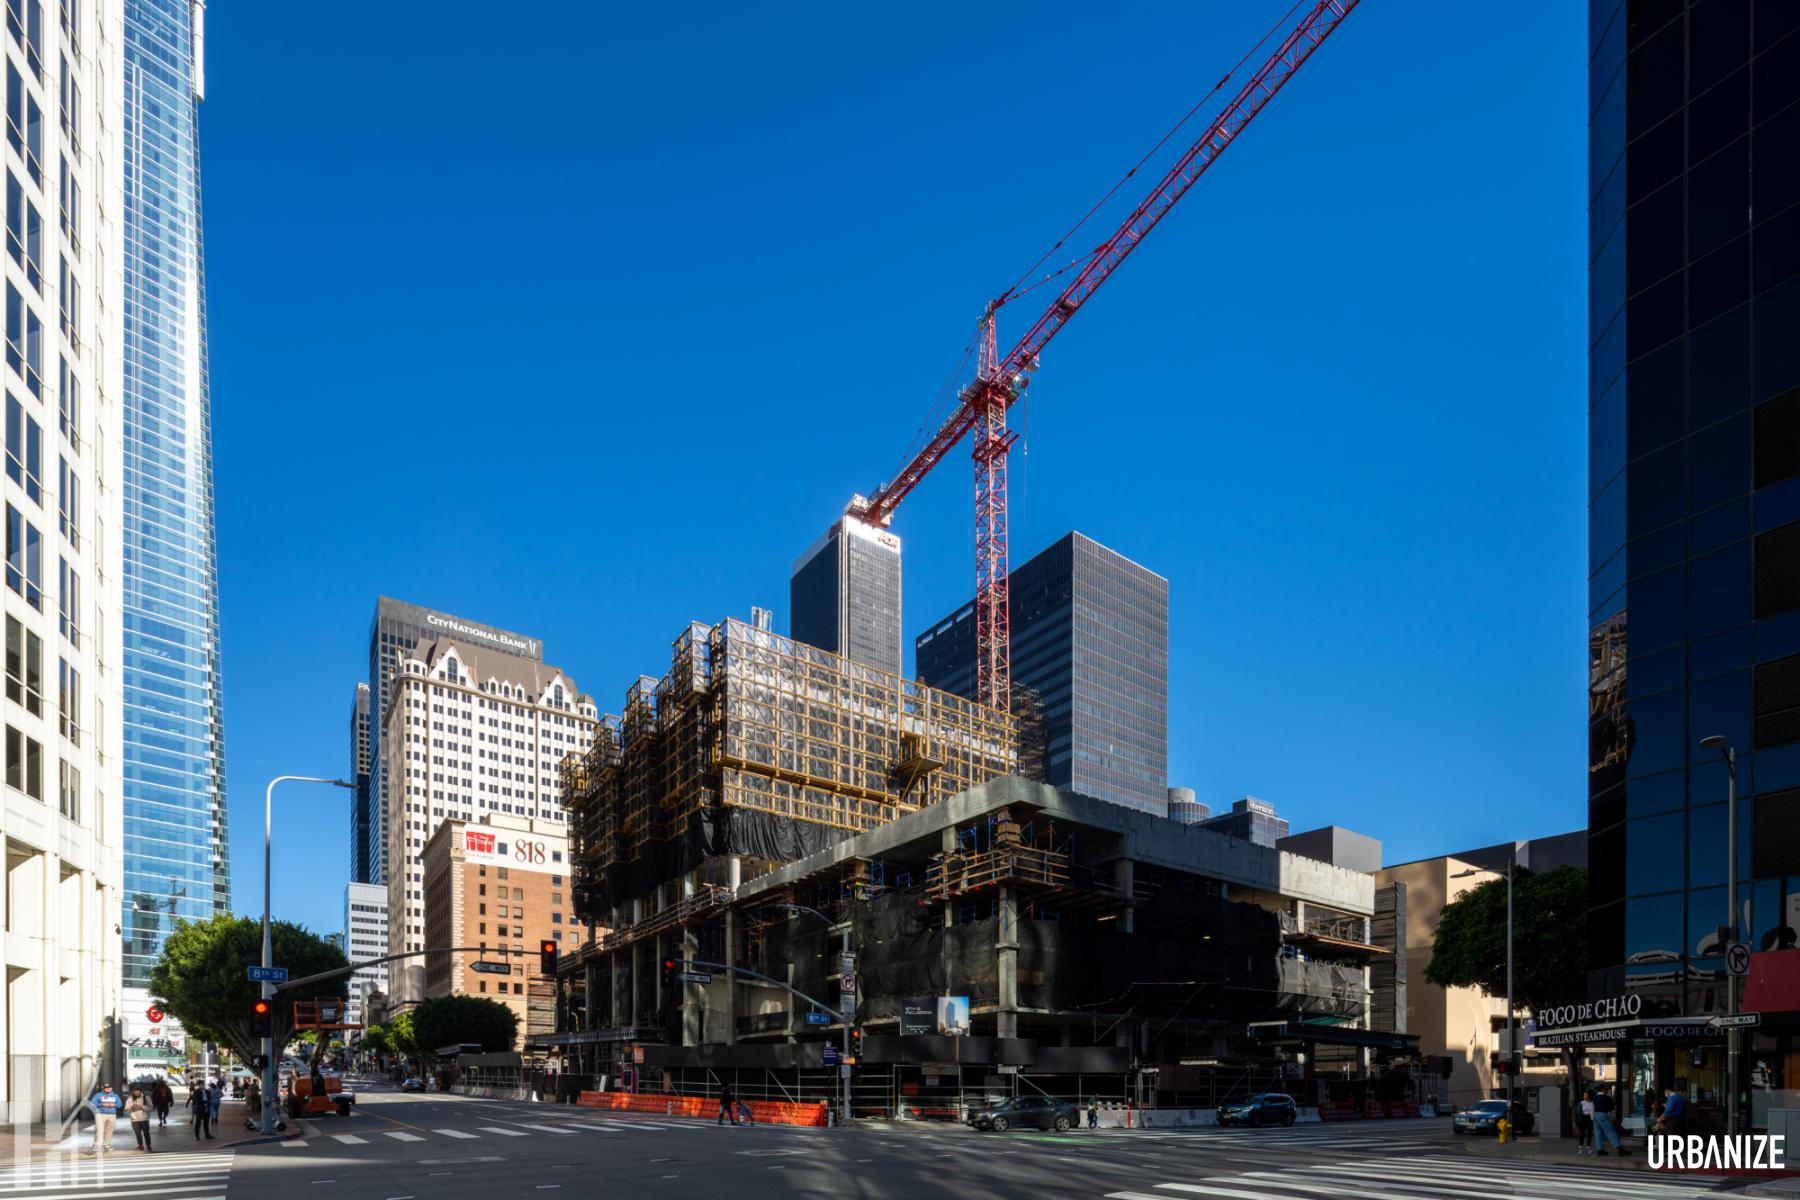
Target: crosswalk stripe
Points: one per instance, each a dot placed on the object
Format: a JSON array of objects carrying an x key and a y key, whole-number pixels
[
  {"x": 546, "y": 1128},
  {"x": 350, "y": 1139},
  {"x": 110, "y": 1191},
  {"x": 1466, "y": 1173},
  {"x": 1283, "y": 1180},
  {"x": 1201, "y": 1189},
  {"x": 89, "y": 1196},
  {"x": 503, "y": 1131},
  {"x": 455, "y": 1133},
  {"x": 293, "y": 1143},
  {"x": 402, "y": 1136}
]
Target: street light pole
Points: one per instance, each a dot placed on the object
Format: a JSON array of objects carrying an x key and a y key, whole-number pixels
[
  {"x": 269, "y": 1095},
  {"x": 1733, "y": 1044},
  {"x": 1512, "y": 1022},
  {"x": 847, "y": 1017}
]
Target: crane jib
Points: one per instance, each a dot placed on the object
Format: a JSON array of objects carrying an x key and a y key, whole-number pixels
[{"x": 985, "y": 406}]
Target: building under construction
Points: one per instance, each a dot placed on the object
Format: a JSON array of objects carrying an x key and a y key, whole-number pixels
[
  {"x": 1010, "y": 931},
  {"x": 756, "y": 750}
]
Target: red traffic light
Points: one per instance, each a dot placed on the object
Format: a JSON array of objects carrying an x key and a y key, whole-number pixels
[
  {"x": 260, "y": 1008},
  {"x": 547, "y": 947}
]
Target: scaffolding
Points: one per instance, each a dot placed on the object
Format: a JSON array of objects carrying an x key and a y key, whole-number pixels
[{"x": 752, "y": 723}]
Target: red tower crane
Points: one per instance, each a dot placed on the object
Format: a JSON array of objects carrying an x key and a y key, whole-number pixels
[{"x": 1000, "y": 380}]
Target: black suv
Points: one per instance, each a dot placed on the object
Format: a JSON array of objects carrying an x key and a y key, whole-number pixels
[
  {"x": 1264, "y": 1108},
  {"x": 1027, "y": 1112}
]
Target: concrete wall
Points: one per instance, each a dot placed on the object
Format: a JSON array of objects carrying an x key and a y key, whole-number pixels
[
  {"x": 1336, "y": 845},
  {"x": 1317, "y": 882}
]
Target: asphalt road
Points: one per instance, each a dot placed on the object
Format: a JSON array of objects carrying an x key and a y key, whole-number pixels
[{"x": 434, "y": 1147}]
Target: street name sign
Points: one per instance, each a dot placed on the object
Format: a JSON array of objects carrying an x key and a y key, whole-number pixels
[
  {"x": 695, "y": 977},
  {"x": 818, "y": 1018},
  {"x": 266, "y": 974},
  {"x": 491, "y": 968},
  {"x": 1736, "y": 1020}
]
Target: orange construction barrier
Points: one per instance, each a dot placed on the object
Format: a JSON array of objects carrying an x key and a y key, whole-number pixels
[{"x": 772, "y": 1112}]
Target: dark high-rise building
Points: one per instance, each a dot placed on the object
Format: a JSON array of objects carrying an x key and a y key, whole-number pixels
[
  {"x": 398, "y": 629},
  {"x": 1090, "y": 635},
  {"x": 362, "y": 812},
  {"x": 844, "y": 594},
  {"x": 1694, "y": 527},
  {"x": 1250, "y": 820}
]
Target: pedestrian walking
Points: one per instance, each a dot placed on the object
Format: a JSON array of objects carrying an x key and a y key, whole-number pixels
[
  {"x": 1094, "y": 1112},
  {"x": 1603, "y": 1124},
  {"x": 727, "y": 1105},
  {"x": 162, "y": 1098},
  {"x": 106, "y": 1104},
  {"x": 215, "y": 1096},
  {"x": 1584, "y": 1123},
  {"x": 137, "y": 1111},
  {"x": 1674, "y": 1112},
  {"x": 201, "y": 1105}
]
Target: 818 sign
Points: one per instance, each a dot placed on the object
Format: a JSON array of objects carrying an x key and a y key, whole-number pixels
[{"x": 529, "y": 852}]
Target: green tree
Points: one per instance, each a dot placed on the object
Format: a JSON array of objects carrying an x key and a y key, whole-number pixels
[
  {"x": 456, "y": 1020},
  {"x": 200, "y": 978},
  {"x": 400, "y": 1032},
  {"x": 1549, "y": 938},
  {"x": 376, "y": 1040}
]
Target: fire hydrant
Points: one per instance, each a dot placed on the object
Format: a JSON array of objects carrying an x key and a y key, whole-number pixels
[{"x": 1503, "y": 1130}]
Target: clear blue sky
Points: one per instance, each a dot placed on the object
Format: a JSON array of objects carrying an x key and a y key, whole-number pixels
[{"x": 584, "y": 320}]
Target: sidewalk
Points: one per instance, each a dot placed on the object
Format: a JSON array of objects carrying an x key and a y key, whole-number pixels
[
  {"x": 176, "y": 1137},
  {"x": 1554, "y": 1150}
]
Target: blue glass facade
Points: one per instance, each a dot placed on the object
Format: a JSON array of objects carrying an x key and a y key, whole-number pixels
[{"x": 176, "y": 862}]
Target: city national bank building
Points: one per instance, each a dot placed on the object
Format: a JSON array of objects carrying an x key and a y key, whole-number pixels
[{"x": 1694, "y": 551}]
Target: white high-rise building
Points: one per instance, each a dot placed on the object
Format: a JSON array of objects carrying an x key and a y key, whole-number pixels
[
  {"x": 61, "y": 1024},
  {"x": 365, "y": 937},
  {"x": 468, "y": 732}
]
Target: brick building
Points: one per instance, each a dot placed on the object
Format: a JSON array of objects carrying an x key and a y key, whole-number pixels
[{"x": 498, "y": 883}]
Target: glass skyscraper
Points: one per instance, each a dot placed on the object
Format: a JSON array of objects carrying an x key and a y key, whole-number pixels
[
  {"x": 1090, "y": 635},
  {"x": 1694, "y": 527},
  {"x": 176, "y": 863},
  {"x": 844, "y": 594}
]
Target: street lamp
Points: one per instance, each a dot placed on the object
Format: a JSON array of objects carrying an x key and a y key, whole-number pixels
[
  {"x": 847, "y": 1016},
  {"x": 268, "y": 989},
  {"x": 1733, "y": 1044},
  {"x": 1512, "y": 1028}
]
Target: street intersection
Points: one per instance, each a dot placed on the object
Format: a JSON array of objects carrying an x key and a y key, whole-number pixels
[{"x": 421, "y": 1147}]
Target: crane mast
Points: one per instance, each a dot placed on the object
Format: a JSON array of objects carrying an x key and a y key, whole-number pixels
[{"x": 1000, "y": 380}]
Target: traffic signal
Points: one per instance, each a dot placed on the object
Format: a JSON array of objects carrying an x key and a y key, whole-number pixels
[
  {"x": 855, "y": 1046},
  {"x": 670, "y": 970},
  {"x": 262, "y": 1023},
  {"x": 547, "y": 957}
]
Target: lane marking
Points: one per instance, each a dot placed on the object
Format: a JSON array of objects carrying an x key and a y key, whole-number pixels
[
  {"x": 350, "y": 1139},
  {"x": 503, "y": 1132},
  {"x": 456, "y": 1133},
  {"x": 293, "y": 1143},
  {"x": 548, "y": 1128},
  {"x": 399, "y": 1136}
]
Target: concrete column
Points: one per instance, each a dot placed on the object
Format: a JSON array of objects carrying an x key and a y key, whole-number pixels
[
  {"x": 590, "y": 991},
  {"x": 693, "y": 995},
  {"x": 620, "y": 1012},
  {"x": 1006, "y": 955},
  {"x": 734, "y": 871},
  {"x": 731, "y": 993}
]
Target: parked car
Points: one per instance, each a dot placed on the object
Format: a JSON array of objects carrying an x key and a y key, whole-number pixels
[
  {"x": 1484, "y": 1117},
  {"x": 1027, "y": 1112},
  {"x": 1264, "y": 1108},
  {"x": 412, "y": 1083}
]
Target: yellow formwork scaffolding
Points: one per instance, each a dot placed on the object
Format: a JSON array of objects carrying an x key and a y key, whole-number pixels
[{"x": 748, "y": 719}]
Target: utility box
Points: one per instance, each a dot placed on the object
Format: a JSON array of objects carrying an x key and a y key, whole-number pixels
[{"x": 1552, "y": 1111}]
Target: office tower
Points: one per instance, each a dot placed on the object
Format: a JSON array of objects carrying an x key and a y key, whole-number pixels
[
  {"x": 1090, "y": 635},
  {"x": 1250, "y": 820},
  {"x": 1185, "y": 806},
  {"x": 361, "y": 813},
  {"x": 397, "y": 629},
  {"x": 844, "y": 594},
  {"x": 1694, "y": 527},
  {"x": 471, "y": 733},
  {"x": 176, "y": 861},
  {"x": 502, "y": 882},
  {"x": 366, "y": 935},
  {"x": 64, "y": 810}
]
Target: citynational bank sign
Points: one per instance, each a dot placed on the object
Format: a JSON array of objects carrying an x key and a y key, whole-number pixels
[
  {"x": 511, "y": 642},
  {"x": 1607, "y": 1019}
]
